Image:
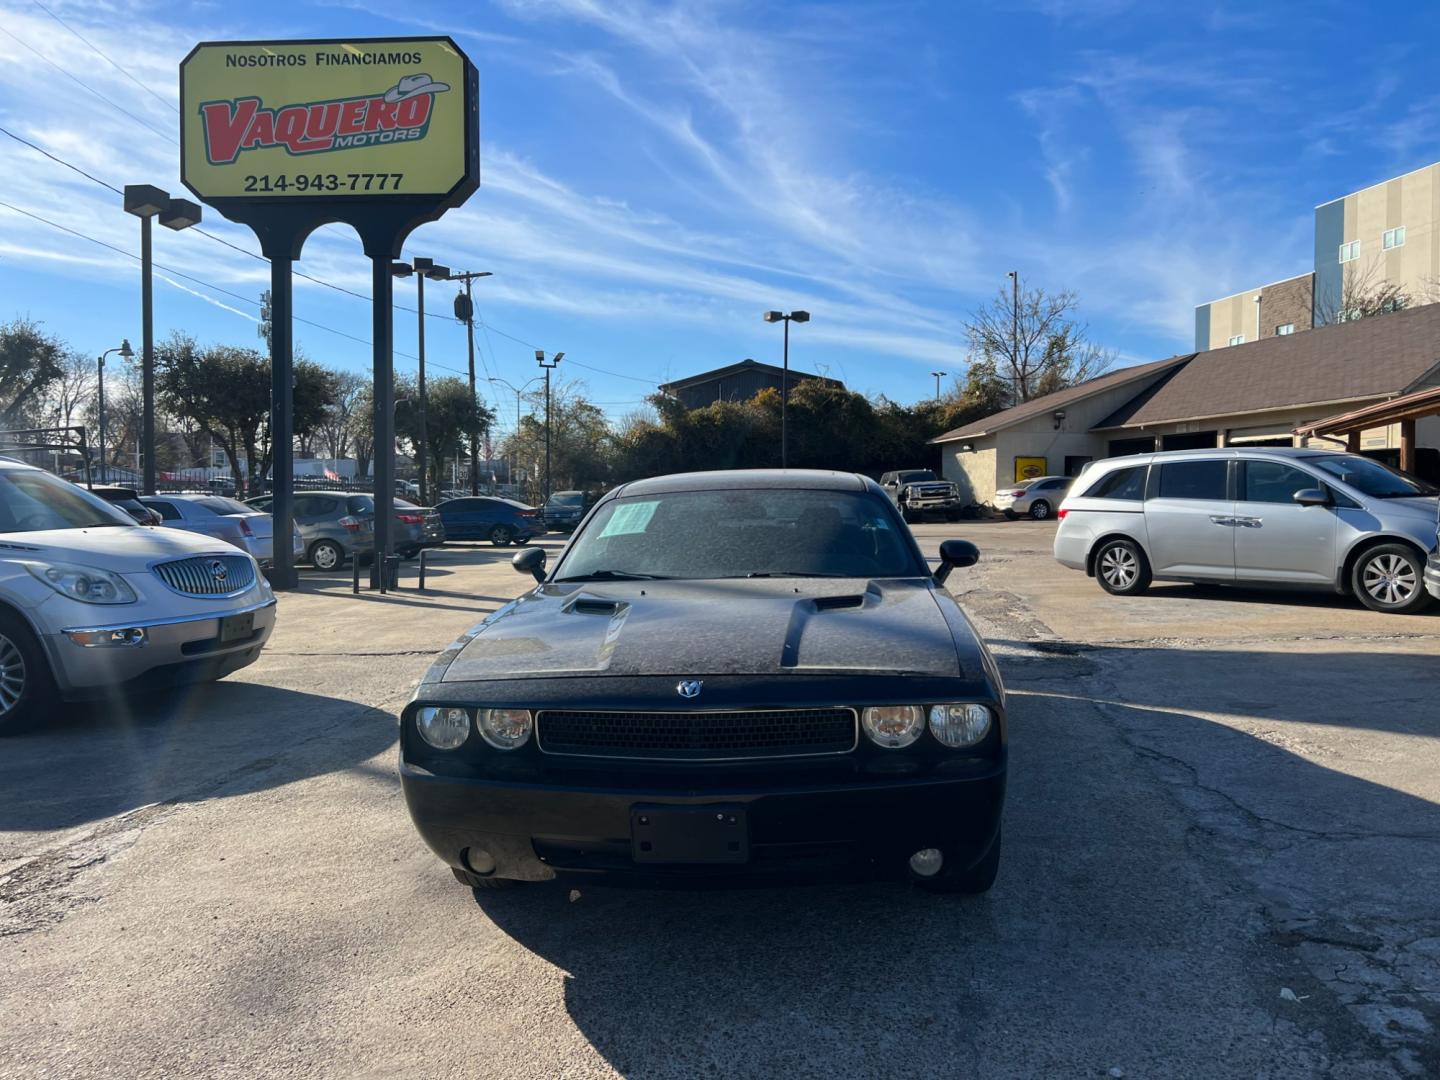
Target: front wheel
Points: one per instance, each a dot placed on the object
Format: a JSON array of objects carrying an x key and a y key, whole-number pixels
[
  {"x": 1389, "y": 578},
  {"x": 26, "y": 688},
  {"x": 501, "y": 535},
  {"x": 1121, "y": 568},
  {"x": 1040, "y": 510},
  {"x": 327, "y": 555}
]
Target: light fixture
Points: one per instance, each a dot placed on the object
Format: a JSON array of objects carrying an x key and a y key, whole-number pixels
[{"x": 1059, "y": 418}]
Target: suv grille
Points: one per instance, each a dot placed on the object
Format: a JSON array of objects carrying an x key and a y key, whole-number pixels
[
  {"x": 698, "y": 736},
  {"x": 208, "y": 575}
]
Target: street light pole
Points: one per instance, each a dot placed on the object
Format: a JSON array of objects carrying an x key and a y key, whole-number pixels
[
  {"x": 518, "y": 390},
  {"x": 465, "y": 312},
  {"x": 125, "y": 351},
  {"x": 548, "y": 365},
  {"x": 778, "y": 316},
  {"x": 1014, "y": 276},
  {"x": 146, "y": 202},
  {"x": 938, "y": 376},
  {"x": 423, "y": 268}
]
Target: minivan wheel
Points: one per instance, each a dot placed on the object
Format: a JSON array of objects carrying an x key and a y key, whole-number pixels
[
  {"x": 1390, "y": 578},
  {"x": 1040, "y": 510},
  {"x": 1121, "y": 568},
  {"x": 501, "y": 535},
  {"x": 26, "y": 688},
  {"x": 327, "y": 555}
]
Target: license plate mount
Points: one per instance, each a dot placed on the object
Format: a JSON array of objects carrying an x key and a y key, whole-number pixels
[
  {"x": 237, "y": 627},
  {"x": 689, "y": 834}
]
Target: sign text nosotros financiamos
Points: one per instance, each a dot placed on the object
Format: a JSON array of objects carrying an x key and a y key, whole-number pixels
[{"x": 231, "y": 127}]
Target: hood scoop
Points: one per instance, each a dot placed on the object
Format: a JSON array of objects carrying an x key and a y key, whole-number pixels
[
  {"x": 579, "y": 604},
  {"x": 838, "y": 603}
]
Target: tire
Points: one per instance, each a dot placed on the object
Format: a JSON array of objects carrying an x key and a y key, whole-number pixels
[
  {"x": 1390, "y": 578},
  {"x": 409, "y": 553},
  {"x": 1121, "y": 568},
  {"x": 481, "y": 884},
  {"x": 953, "y": 516},
  {"x": 27, "y": 689},
  {"x": 327, "y": 555},
  {"x": 1010, "y": 515},
  {"x": 1040, "y": 510},
  {"x": 972, "y": 881},
  {"x": 910, "y": 516},
  {"x": 501, "y": 535}
]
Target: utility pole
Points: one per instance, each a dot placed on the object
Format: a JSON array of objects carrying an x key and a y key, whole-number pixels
[
  {"x": 548, "y": 365},
  {"x": 465, "y": 312},
  {"x": 1014, "y": 276},
  {"x": 125, "y": 351}
]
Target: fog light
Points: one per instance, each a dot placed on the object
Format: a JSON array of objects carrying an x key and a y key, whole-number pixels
[
  {"x": 959, "y": 725},
  {"x": 505, "y": 729},
  {"x": 444, "y": 729},
  {"x": 92, "y": 639},
  {"x": 480, "y": 861},
  {"x": 927, "y": 861}
]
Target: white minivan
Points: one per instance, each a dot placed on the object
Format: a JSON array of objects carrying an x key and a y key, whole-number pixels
[{"x": 1288, "y": 517}]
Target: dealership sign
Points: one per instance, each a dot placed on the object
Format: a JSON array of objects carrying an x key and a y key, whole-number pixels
[{"x": 362, "y": 120}]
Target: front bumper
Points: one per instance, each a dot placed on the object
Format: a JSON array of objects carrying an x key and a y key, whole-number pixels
[
  {"x": 181, "y": 649},
  {"x": 1432, "y": 575},
  {"x": 836, "y": 827}
]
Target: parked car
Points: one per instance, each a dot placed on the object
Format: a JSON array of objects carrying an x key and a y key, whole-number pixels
[
  {"x": 485, "y": 517},
  {"x": 91, "y": 602},
  {"x": 416, "y": 527},
  {"x": 127, "y": 499},
  {"x": 258, "y": 525},
  {"x": 1036, "y": 498},
  {"x": 749, "y": 674},
  {"x": 563, "y": 510},
  {"x": 186, "y": 512},
  {"x": 918, "y": 492},
  {"x": 1269, "y": 516},
  {"x": 335, "y": 526}
]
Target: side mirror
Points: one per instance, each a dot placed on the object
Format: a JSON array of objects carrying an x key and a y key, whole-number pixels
[
  {"x": 530, "y": 560},
  {"x": 953, "y": 554},
  {"x": 1311, "y": 497}
]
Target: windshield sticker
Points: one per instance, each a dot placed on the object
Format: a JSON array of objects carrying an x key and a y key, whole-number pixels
[{"x": 629, "y": 518}]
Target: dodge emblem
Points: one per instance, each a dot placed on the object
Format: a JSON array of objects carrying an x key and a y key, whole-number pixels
[{"x": 690, "y": 688}]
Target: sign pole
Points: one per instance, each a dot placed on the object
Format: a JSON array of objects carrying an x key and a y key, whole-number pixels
[
  {"x": 474, "y": 430},
  {"x": 282, "y": 423},
  {"x": 147, "y": 360},
  {"x": 383, "y": 335}
]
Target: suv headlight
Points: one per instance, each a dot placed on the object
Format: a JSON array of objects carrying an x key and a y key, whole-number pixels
[
  {"x": 958, "y": 726},
  {"x": 88, "y": 584},
  {"x": 443, "y": 728},
  {"x": 505, "y": 729},
  {"x": 893, "y": 726}
]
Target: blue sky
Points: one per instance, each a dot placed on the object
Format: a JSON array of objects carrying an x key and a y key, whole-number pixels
[{"x": 656, "y": 175}]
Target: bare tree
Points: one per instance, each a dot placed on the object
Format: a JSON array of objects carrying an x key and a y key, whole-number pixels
[
  {"x": 340, "y": 428},
  {"x": 1363, "y": 293},
  {"x": 1035, "y": 346}
]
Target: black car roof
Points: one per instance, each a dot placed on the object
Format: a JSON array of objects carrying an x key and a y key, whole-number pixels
[{"x": 741, "y": 479}]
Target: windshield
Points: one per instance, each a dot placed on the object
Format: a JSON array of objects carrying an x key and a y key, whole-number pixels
[
  {"x": 780, "y": 532},
  {"x": 917, "y": 476},
  {"x": 1370, "y": 477},
  {"x": 567, "y": 498},
  {"x": 218, "y": 504},
  {"x": 31, "y": 501}
]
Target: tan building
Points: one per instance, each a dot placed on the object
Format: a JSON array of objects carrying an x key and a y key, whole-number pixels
[{"x": 1274, "y": 310}]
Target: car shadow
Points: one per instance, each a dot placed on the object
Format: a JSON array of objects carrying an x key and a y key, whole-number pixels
[
  {"x": 1323, "y": 599},
  {"x": 92, "y": 760},
  {"x": 1163, "y": 876}
]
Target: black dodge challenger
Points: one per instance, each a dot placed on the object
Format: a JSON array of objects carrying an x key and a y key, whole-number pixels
[{"x": 726, "y": 676}]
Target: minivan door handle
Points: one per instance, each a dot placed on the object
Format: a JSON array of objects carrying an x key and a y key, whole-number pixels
[
  {"x": 1249, "y": 522},
  {"x": 1220, "y": 520}
]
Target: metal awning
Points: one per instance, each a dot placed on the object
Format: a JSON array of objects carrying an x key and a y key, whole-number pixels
[{"x": 1403, "y": 410}]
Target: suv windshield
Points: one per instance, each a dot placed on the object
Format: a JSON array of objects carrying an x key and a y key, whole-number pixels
[
  {"x": 1370, "y": 477},
  {"x": 31, "y": 501},
  {"x": 917, "y": 476},
  {"x": 780, "y": 532},
  {"x": 567, "y": 498}
]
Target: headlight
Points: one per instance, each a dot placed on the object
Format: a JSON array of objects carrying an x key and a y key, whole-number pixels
[
  {"x": 893, "y": 726},
  {"x": 959, "y": 725},
  {"x": 505, "y": 729},
  {"x": 443, "y": 728},
  {"x": 88, "y": 584}
]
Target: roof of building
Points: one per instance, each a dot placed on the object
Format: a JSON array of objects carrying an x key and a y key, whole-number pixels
[
  {"x": 1050, "y": 402},
  {"x": 735, "y": 369},
  {"x": 1370, "y": 358}
]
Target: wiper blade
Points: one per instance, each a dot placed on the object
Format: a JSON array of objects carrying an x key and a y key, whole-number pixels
[{"x": 615, "y": 575}]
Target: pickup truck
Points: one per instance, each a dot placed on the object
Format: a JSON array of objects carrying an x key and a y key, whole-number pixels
[{"x": 918, "y": 492}]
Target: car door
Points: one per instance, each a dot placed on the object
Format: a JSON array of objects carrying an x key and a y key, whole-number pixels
[
  {"x": 462, "y": 518},
  {"x": 1190, "y": 519},
  {"x": 1276, "y": 539}
]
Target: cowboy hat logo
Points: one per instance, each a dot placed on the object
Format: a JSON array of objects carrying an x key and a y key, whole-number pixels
[{"x": 413, "y": 86}]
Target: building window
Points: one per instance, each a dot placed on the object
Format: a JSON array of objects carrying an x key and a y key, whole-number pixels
[
  {"x": 1393, "y": 238},
  {"x": 1350, "y": 252},
  {"x": 1284, "y": 328},
  {"x": 1238, "y": 339}
]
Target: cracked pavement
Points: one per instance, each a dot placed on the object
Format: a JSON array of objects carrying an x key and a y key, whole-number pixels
[{"x": 1222, "y": 859}]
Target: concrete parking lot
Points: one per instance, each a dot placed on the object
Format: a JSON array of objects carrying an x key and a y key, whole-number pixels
[{"x": 1222, "y": 859}]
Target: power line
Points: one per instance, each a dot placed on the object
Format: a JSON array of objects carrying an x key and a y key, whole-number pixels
[
  {"x": 60, "y": 161},
  {"x": 101, "y": 52}
]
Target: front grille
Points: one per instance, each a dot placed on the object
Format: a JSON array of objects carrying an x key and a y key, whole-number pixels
[
  {"x": 208, "y": 575},
  {"x": 697, "y": 736}
]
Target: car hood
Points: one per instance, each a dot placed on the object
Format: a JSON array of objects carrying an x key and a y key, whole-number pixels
[
  {"x": 761, "y": 627},
  {"x": 1419, "y": 506},
  {"x": 125, "y": 549}
]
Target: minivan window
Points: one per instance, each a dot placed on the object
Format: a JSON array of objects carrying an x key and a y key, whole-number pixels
[
  {"x": 1121, "y": 484},
  {"x": 1275, "y": 482},
  {"x": 1193, "y": 480},
  {"x": 1371, "y": 477}
]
